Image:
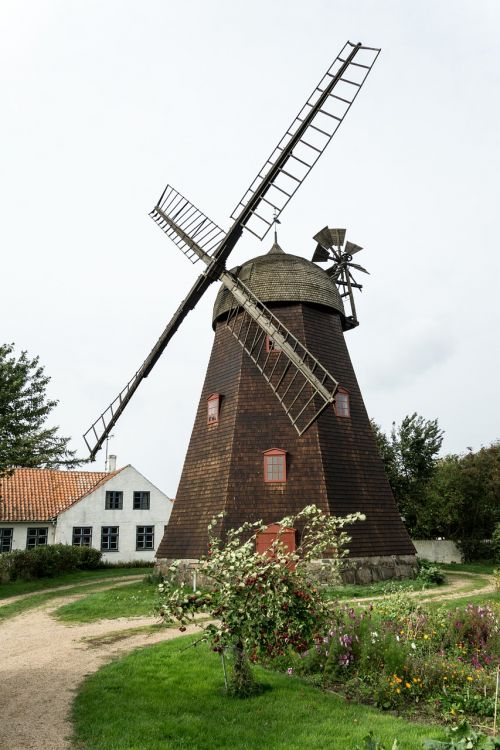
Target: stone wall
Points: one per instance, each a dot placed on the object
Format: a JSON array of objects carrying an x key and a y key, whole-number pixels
[{"x": 359, "y": 570}]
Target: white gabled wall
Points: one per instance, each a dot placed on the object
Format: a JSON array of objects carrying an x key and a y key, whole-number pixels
[{"x": 91, "y": 511}]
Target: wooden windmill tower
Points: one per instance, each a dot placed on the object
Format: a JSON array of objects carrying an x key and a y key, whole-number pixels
[{"x": 281, "y": 422}]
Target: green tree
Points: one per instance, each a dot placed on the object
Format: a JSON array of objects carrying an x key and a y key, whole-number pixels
[
  {"x": 462, "y": 499},
  {"x": 409, "y": 457},
  {"x": 25, "y": 440}
]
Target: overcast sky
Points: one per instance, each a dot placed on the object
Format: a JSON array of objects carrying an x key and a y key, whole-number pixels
[{"x": 106, "y": 101}]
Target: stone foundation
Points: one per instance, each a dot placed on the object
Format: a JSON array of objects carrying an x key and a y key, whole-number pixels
[{"x": 359, "y": 570}]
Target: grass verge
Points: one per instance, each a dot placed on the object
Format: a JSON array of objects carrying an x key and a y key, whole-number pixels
[
  {"x": 16, "y": 588},
  {"x": 485, "y": 566},
  {"x": 36, "y": 600},
  {"x": 162, "y": 698},
  {"x": 355, "y": 591},
  {"x": 132, "y": 600}
]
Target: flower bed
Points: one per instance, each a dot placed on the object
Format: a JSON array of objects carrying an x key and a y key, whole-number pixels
[{"x": 403, "y": 656}]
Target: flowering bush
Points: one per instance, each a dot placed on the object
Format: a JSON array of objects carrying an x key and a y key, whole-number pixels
[{"x": 262, "y": 605}]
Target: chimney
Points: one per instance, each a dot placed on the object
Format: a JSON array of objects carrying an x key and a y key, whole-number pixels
[{"x": 111, "y": 463}]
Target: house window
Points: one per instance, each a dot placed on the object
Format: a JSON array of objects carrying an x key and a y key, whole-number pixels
[
  {"x": 37, "y": 537},
  {"x": 109, "y": 538},
  {"x": 82, "y": 536},
  {"x": 213, "y": 408},
  {"x": 6, "y": 539},
  {"x": 271, "y": 345},
  {"x": 114, "y": 500},
  {"x": 275, "y": 465},
  {"x": 141, "y": 500},
  {"x": 342, "y": 408},
  {"x": 145, "y": 537}
]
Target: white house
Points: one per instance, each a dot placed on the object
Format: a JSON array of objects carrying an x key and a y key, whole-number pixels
[{"x": 119, "y": 512}]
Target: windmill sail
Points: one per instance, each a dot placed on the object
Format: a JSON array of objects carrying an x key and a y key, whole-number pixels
[
  {"x": 301, "y": 383},
  {"x": 193, "y": 224},
  {"x": 200, "y": 238},
  {"x": 305, "y": 140}
]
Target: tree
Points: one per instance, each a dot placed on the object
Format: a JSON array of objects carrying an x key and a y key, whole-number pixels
[
  {"x": 25, "y": 440},
  {"x": 409, "y": 457},
  {"x": 261, "y": 605},
  {"x": 462, "y": 500}
]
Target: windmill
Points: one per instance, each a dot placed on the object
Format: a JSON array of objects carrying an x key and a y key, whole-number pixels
[{"x": 295, "y": 376}]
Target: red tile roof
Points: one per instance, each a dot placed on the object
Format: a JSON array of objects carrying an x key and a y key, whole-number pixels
[{"x": 41, "y": 494}]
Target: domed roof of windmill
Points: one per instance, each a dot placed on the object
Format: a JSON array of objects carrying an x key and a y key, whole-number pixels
[{"x": 282, "y": 277}]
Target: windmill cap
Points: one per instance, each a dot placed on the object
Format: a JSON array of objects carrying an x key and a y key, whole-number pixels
[{"x": 282, "y": 277}]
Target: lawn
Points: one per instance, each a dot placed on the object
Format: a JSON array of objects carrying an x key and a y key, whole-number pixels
[
  {"x": 355, "y": 591},
  {"x": 485, "y": 566},
  {"x": 16, "y": 588},
  {"x": 132, "y": 600},
  {"x": 164, "y": 698},
  {"x": 141, "y": 598}
]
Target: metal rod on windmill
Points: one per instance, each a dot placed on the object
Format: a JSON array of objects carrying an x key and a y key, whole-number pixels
[{"x": 199, "y": 238}]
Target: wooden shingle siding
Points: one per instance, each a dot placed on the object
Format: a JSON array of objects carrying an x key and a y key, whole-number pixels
[{"x": 334, "y": 465}]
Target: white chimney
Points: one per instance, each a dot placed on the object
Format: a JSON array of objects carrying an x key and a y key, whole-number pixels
[{"x": 111, "y": 462}]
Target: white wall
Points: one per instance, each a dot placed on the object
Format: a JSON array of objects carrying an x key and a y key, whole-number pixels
[
  {"x": 91, "y": 511},
  {"x": 21, "y": 530},
  {"x": 438, "y": 550}
]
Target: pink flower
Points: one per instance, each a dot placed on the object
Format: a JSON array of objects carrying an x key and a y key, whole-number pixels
[{"x": 289, "y": 670}]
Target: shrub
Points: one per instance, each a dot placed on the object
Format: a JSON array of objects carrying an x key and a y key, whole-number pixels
[
  {"x": 428, "y": 572},
  {"x": 47, "y": 561},
  {"x": 474, "y": 549},
  {"x": 263, "y": 605},
  {"x": 495, "y": 543},
  {"x": 462, "y": 737}
]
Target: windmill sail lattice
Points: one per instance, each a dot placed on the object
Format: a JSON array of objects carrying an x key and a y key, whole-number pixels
[
  {"x": 306, "y": 138},
  {"x": 200, "y": 238},
  {"x": 194, "y": 225}
]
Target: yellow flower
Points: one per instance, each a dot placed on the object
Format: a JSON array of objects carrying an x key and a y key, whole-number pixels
[
  {"x": 470, "y": 679},
  {"x": 426, "y": 637},
  {"x": 407, "y": 684},
  {"x": 398, "y": 690}
]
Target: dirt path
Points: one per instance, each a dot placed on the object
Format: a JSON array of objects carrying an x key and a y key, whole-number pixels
[
  {"x": 42, "y": 663},
  {"x": 97, "y": 582}
]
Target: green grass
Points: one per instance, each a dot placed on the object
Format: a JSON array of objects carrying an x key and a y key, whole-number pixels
[
  {"x": 132, "y": 600},
  {"x": 31, "y": 602},
  {"x": 15, "y": 588},
  {"x": 491, "y": 598},
  {"x": 160, "y": 698},
  {"x": 485, "y": 566},
  {"x": 355, "y": 591}
]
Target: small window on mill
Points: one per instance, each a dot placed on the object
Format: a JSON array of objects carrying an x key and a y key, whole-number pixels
[
  {"x": 271, "y": 345},
  {"x": 213, "y": 408},
  {"x": 275, "y": 465},
  {"x": 342, "y": 407}
]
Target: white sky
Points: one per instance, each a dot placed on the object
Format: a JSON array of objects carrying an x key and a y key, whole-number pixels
[{"x": 106, "y": 101}]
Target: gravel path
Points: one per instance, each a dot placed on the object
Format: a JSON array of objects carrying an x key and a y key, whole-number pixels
[{"x": 42, "y": 663}]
